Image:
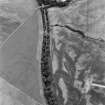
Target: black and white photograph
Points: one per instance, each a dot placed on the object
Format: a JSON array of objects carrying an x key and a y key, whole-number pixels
[{"x": 52, "y": 52}]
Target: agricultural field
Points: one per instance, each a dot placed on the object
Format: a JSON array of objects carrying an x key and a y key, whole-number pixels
[{"x": 18, "y": 50}]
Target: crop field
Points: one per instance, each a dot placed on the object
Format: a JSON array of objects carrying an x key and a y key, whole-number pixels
[{"x": 18, "y": 51}]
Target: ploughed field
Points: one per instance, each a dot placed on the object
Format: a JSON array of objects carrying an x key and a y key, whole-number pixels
[
  {"x": 12, "y": 15},
  {"x": 18, "y": 51},
  {"x": 10, "y": 95},
  {"x": 78, "y": 56}
]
